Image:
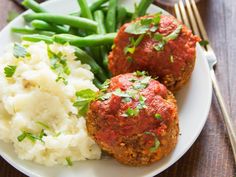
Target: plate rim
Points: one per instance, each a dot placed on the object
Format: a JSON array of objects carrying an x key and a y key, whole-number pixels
[{"x": 27, "y": 171}]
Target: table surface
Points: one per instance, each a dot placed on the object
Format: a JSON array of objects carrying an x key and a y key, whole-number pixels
[{"x": 211, "y": 155}]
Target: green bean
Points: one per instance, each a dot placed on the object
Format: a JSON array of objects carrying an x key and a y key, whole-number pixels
[
  {"x": 99, "y": 18},
  {"x": 95, "y": 68},
  {"x": 33, "y": 5},
  {"x": 37, "y": 38},
  {"x": 73, "y": 21},
  {"x": 31, "y": 31},
  {"x": 142, "y": 8},
  {"x": 97, "y": 4},
  {"x": 121, "y": 14},
  {"x": 111, "y": 16},
  {"x": 84, "y": 9},
  {"x": 97, "y": 83},
  {"x": 42, "y": 25},
  {"x": 88, "y": 41}
]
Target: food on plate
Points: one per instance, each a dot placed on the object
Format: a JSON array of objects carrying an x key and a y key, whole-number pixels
[
  {"x": 134, "y": 118},
  {"x": 159, "y": 44},
  {"x": 37, "y": 112}
]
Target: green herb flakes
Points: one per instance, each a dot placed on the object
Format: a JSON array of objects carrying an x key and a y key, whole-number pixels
[
  {"x": 31, "y": 137},
  {"x": 156, "y": 142},
  {"x": 158, "y": 116},
  {"x": 9, "y": 70},
  {"x": 84, "y": 97},
  {"x": 129, "y": 59},
  {"x": 140, "y": 73},
  {"x": 43, "y": 125},
  {"x": 19, "y": 51},
  {"x": 69, "y": 161},
  {"x": 131, "y": 112},
  {"x": 59, "y": 65},
  {"x": 204, "y": 43},
  {"x": 141, "y": 104},
  {"x": 174, "y": 34}
]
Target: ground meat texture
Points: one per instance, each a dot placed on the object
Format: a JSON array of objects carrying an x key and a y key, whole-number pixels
[
  {"x": 173, "y": 65},
  {"x": 135, "y": 120}
]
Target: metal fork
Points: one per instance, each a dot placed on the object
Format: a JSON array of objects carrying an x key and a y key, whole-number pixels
[{"x": 192, "y": 19}]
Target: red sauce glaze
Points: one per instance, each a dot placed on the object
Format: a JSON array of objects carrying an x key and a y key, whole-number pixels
[
  {"x": 112, "y": 123},
  {"x": 145, "y": 57}
]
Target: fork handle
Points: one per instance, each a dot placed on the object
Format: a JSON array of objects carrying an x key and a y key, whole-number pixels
[{"x": 228, "y": 121}]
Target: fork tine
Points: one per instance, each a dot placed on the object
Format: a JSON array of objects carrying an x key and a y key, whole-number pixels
[
  {"x": 177, "y": 13},
  {"x": 192, "y": 18},
  {"x": 199, "y": 20},
  {"x": 184, "y": 15}
]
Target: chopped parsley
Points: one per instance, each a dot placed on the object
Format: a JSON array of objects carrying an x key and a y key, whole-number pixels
[
  {"x": 144, "y": 25},
  {"x": 140, "y": 73},
  {"x": 31, "y": 137},
  {"x": 162, "y": 40},
  {"x": 69, "y": 161},
  {"x": 84, "y": 97},
  {"x": 129, "y": 59},
  {"x": 43, "y": 125},
  {"x": 117, "y": 92},
  {"x": 133, "y": 44},
  {"x": 142, "y": 83},
  {"x": 204, "y": 43},
  {"x": 59, "y": 65},
  {"x": 158, "y": 116},
  {"x": 131, "y": 112},
  {"x": 174, "y": 34},
  {"x": 19, "y": 51},
  {"x": 9, "y": 70},
  {"x": 105, "y": 85},
  {"x": 141, "y": 104},
  {"x": 141, "y": 28},
  {"x": 156, "y": 141}
]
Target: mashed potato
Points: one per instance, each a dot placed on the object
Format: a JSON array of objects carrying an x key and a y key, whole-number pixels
[{"x": 36, "y": 104}]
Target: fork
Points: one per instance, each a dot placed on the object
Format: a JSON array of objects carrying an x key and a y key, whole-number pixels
[{"x": 192, "y": 19}]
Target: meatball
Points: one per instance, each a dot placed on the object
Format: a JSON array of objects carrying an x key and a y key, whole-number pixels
[
  {"x": 134, "y": 119},
  {"x": 167, "y": 52}
]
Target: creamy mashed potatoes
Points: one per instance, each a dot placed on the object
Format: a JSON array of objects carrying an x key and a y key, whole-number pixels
[{"x": 36, "y": 104}]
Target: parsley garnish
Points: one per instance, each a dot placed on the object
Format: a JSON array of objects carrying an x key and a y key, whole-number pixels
[
  {"x": 162, "y": 40},
  {"x": 158, "y": 116},
  {"x": 174, "y": 34},
  {"x": 131, "y": 112},
  {"x": 19, "y": 51},
  {"x": 133, "y": 44},
  {"x": 141, "y": 104},
  {"x": 129, "y": 59},
  {"x": 84, "y": 97},
  {"x": 156, "y": 141},
  {"x": 59, "y": 65},
  {"x": 117, "y": 92},
  {"x": 144, "y": 25},
  {"x": 31, "y": 137},
  {"x": 105, "y": 85},
  {"x": 204, "y": 43},
  {"x": 43, "y": 125},
  {"x": 140, "y": 73},
  {"x": 142, "y": 83},
  {"x": 9, "y": 70},
  {"x": 69, "y": 161}
]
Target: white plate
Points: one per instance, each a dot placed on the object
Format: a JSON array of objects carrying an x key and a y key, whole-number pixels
[{"x": 193, "y": 102}]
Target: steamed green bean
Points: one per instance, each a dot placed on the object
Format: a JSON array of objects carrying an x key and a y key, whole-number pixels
[
  {"x": 33, "y": 5},
  {"x": 88, "y": 41},
  {"x": 73, "y": 21},
  {"x": 42, "y": 25}
]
